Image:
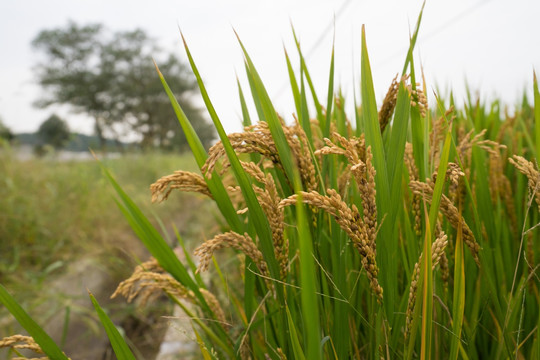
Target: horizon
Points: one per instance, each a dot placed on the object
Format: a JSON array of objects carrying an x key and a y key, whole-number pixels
[{"x": 485, "y": 44}]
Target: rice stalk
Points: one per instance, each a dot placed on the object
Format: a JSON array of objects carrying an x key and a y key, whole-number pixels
[
  {"x": 180, "y": 180},
  {"x": 451, "y": 213},
  {"x": 437, "y": 253},
  {"x": 351, "y": 222},
  {"x": 528, "y": 169}
]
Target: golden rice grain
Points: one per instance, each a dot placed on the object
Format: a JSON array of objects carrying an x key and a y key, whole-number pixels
[
  {"x": 351, "y": 222},
  {"x": 437, "y": 251},
  {"x": 21, "y": 342},
  {"x": 389, "y": 104},
  {"x": 528, "y": 169},
  {"x": 231, "y": 239},
  {"x": 451, "y": 213},
  {"x": 180, "y": 180}
]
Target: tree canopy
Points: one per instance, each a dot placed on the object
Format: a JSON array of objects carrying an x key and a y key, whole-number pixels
[
  {"x": 111, "y": 77},
  {"x": 5, "y": 132},
  {"x": 54, "y": 131}
]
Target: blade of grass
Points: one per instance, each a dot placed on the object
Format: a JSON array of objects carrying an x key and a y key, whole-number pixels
[
  {"x": 409, "y": 57},
  {"x": 458, "y": 307},
  {"x": 398, "y": 138},
  {"x": 426, "y": 273},
  {"x": 214, "y": 183},
  {"x": 303, "y": 66},
  {"x": 443, "y": 166},
  {"x": 48, "y": 346},
  {"x": 293, "y": 334},
  {"x": 426, "y": 270},
  {"x": 246, "y": 119},
  {"x": 157, "y": 246},
  {"x": 120, "y": 348},
  {"x": 304, "y": 114},
  {"x": 188, "y": 257},
  {"x": 150, "y": 237},
  {"x": 255, "y": 213},
  {"x": 330, "y": 96},
  {"x": 386, "y": 243},
  {"x": 202, "y": 346},
  {"x": 294, "y": 84},
  {"x": 536, "y": 115},
  {"x": 310, "y": 309},
  {"x": 270, "y": 116},
  {"x": 396, "y": 151}
]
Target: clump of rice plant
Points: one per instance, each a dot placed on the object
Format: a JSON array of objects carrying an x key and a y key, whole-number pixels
[{"x": 399, "y": 231}]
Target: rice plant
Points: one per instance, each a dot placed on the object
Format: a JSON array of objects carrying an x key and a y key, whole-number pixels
[{"x": 400, "y": 231}]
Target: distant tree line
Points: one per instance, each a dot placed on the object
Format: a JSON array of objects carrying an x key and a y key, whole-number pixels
[
  {"x": 54, "y": 132},
  {"x": 5, "y": 132},
  {"x": 111, "y": 78}
]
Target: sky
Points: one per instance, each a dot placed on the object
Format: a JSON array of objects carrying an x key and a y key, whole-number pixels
[{"x": 491, "y": 45}]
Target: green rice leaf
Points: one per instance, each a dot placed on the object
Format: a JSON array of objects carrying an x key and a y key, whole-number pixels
[
  {"x": 386, "y": 243},
  {"x": 310, "y": 309},
  {"x": 458, "y": 307},
  {"x": 48, "y": 346},
  {"x": 409, "y": 58},
  {"x": 214, "y": 183},
  {"x": 255, "y": 213},
  {"x": 150, "y": 237},
  {"x": 398, "y": 137},
  {"x": 202, "y": 346},
  {"x": 270, "y": 116},
  {"x": 304, "y": 69},
  {"x": 120, "y": 348},
  {"x": 293, "y": 334},
  {"x": 246, "y": 119},
  {"x": 439, "y": 184},
  {"x": 188, "y": 257},
  {"x": 537, "y": 116},
  {"x": 191, "y": 136},
  {"x": 155, "y": 244},
  {"x": 294, "y": 85},
  {"x": 426, "y": 273},
  {"x": 330, "y": 97},
  {"x": 304, "y": 114}
]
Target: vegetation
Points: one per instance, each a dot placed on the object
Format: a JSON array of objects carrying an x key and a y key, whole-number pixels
[
  {"x": 400, "y": 231},
  {"x": 57, "y": 214},
  {"x": 54, "y": 132},
  {"x": 5, "y": 132},
  {"x": 112, "y": 79},
  {"x": 77, "y": 142}
]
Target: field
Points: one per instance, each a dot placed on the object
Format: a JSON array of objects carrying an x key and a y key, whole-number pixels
[
  {"x": 61, "y": 230},
  {"x": 405, "y": 229}
]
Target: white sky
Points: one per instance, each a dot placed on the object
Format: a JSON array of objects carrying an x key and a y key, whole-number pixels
[{"x": 494, "y": 44}]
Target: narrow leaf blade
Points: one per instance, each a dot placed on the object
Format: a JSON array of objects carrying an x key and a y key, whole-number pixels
[
  {"x": 48, "y": 346},
  {"x": 119, "y": 345}
]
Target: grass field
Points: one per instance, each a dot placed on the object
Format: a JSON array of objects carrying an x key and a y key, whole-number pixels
[{"x": 57, "y": 213}]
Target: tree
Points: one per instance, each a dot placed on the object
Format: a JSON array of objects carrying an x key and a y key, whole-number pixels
[
  {"x": 5, "y": 132},
  {"x": 112, "y": 78},
  {"x": 54, "y": 131}
]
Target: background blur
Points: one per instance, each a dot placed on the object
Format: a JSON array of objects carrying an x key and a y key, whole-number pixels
[{"x": 489, "y": 43}]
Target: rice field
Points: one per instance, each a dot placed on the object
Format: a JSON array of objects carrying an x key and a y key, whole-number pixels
[{"x": 407, "y": 229}]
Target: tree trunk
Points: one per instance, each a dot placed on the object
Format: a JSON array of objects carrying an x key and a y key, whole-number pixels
[{"x": 98, "y": 128}]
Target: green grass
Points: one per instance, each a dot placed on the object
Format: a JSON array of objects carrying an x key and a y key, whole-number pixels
[
  {"x": 56, "y": 213},
  {"x": 338, "y": 225},
  {"x": 52, "y": 210}
]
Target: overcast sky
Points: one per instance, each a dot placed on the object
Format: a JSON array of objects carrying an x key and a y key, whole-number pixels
[{"x": 494, "y": 44}]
